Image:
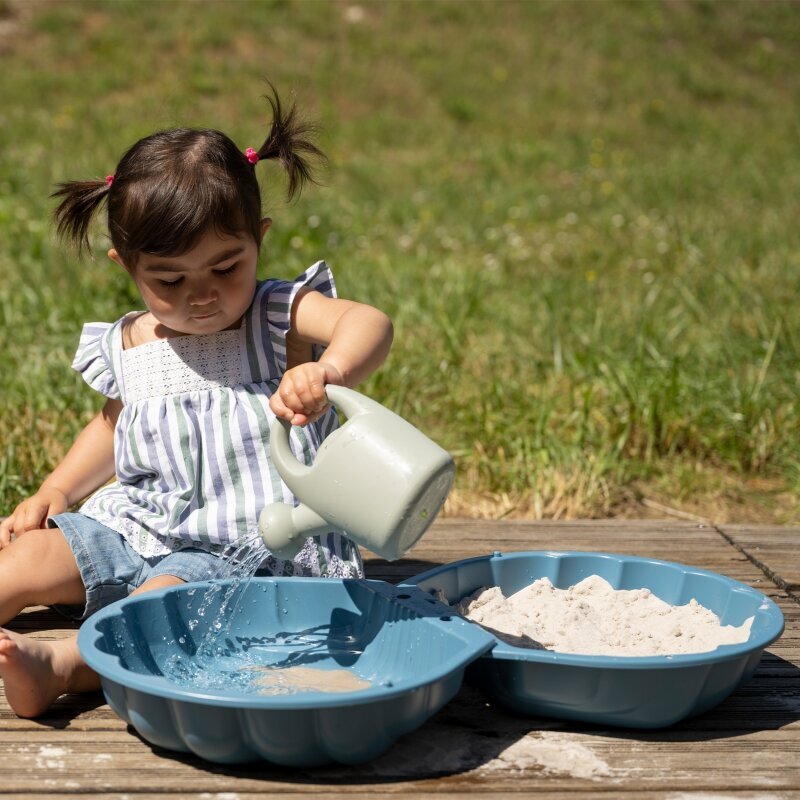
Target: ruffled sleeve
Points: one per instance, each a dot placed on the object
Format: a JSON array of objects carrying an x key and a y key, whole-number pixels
[
  {"x": 276, "y": 305},
  {"x": 93, "y": 358}
]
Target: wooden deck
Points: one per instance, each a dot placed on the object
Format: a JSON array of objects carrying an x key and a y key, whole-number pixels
[{"x": 748, "y": 747}]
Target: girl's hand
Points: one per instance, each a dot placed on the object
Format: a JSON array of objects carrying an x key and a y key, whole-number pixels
[
  {"x": 31, "y": 514},
  {"x": 300, "y": 398}
]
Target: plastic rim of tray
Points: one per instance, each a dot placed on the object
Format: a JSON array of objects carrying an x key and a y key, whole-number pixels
[
  {"x": 416, "y": 645},
  {"x": 626, "y": 691}
]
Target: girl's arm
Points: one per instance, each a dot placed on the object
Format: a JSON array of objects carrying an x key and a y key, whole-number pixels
[
  {"x": 357, "y": 338},
  {"x": 86, "y": 467}
]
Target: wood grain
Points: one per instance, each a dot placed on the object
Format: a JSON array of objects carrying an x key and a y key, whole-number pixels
[
  {"x": 747, "y": 747},
  {"x": 772, "y": 546}
]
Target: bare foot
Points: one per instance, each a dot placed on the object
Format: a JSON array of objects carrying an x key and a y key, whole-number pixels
[{"x": 36, "y": 673}]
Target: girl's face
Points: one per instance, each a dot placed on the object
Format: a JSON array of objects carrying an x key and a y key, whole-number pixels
[{"x": 205, "y": 290}]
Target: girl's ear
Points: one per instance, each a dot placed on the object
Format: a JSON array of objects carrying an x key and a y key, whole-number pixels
[
  {"x": 266, "y": 224},
  {"x": 115, "y": 256}
]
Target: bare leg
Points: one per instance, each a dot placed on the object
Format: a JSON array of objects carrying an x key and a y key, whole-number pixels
[
  {"x": 38, "y": 568},
  {"x": 37, "y": 673}
]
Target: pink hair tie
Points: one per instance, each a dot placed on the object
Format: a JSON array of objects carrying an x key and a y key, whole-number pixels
[
  {"x": 109, "y": 180},
  {"x": 251, "y": 155}
]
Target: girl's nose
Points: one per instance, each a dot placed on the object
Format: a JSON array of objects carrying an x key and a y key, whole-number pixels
[{"x": 202, "y": 296}]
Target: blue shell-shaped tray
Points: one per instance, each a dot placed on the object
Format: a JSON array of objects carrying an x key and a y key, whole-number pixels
[
  {"x": 638, "y": 692},
  {"x": 410, "y": 648}
]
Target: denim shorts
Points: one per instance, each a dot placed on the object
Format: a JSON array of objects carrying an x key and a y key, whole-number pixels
[{"x": 111, "y": 569}]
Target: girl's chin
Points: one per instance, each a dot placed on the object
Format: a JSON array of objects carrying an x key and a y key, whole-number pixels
[
  {"x": 213, "y": 323},
  {"x": 210, "y": 324},
  {"x": 201, "y": 323}
]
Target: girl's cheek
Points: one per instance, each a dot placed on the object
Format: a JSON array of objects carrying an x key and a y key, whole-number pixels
[{"x": 157, "y": 304}]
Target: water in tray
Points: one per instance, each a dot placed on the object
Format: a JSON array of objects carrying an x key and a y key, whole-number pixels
[{"x": 284, "y": 663}]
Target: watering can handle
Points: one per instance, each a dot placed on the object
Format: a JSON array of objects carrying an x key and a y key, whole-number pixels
[{"x": 350, "y": 402}]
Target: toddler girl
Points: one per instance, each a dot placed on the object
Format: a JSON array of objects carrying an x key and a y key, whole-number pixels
[{"x": 192, "y": 384}]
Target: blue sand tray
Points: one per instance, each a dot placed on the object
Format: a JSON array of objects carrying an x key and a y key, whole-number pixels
[
  {"x": 410, "y": 649},
  {"x": 637, "y": 692}
]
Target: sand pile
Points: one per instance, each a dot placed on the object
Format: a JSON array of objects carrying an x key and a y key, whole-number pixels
[{"x": 593, "y": 618}]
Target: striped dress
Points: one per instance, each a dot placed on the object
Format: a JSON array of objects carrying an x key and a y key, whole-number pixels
[{"x": 191, "y": 445}]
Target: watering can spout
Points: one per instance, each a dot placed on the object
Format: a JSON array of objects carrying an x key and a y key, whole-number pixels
[
  {"x": 284, "y": 528},
  {"x": 377, "y": 479}
]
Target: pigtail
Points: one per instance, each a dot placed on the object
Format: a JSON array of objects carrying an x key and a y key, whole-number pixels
[
  {"x": 81, "y": 199},
  {"x": 290, "y": 141}
]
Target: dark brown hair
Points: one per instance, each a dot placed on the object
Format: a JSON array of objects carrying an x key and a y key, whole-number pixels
[{"x": 174, "y": 185}]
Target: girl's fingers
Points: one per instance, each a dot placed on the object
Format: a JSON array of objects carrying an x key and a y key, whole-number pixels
[
  {"x": 12, "y": 526},
  {"x": 279, "y": 408},
  {"x": 33, "y": 516},
  {"x": 304, "y": 398},
  {"x": 6, "y": 526},
  {"x": 301, "y": 396},
  {"x": 29, "y": 519},
  {"x": 291, "y": 402},
  {"x": 313, "y": 395}
]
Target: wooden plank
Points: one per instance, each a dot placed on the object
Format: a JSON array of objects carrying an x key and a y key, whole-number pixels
[
  {"x": 687, "y": 542},
  {"x": 746, "y": 748},
  {"x": 468, "y": 748},
  {"x": 359, "y": 793},
  {"x": 775, "y": 547},
  {"x": 468, "y": 745}
]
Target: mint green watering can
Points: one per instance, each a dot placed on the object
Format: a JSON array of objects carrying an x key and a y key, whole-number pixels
[{"x": 377, "y": 479}]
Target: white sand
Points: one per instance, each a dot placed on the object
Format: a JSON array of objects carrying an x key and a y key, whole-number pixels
[{"x": 592, "y": 618}]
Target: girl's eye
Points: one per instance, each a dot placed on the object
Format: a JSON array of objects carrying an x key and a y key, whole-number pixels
[
  {"x": 227, "y": 271},
  {"x": 171, "y": 284}
]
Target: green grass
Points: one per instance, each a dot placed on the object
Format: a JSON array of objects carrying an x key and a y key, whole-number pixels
[{"x": 581, "y": 216}]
